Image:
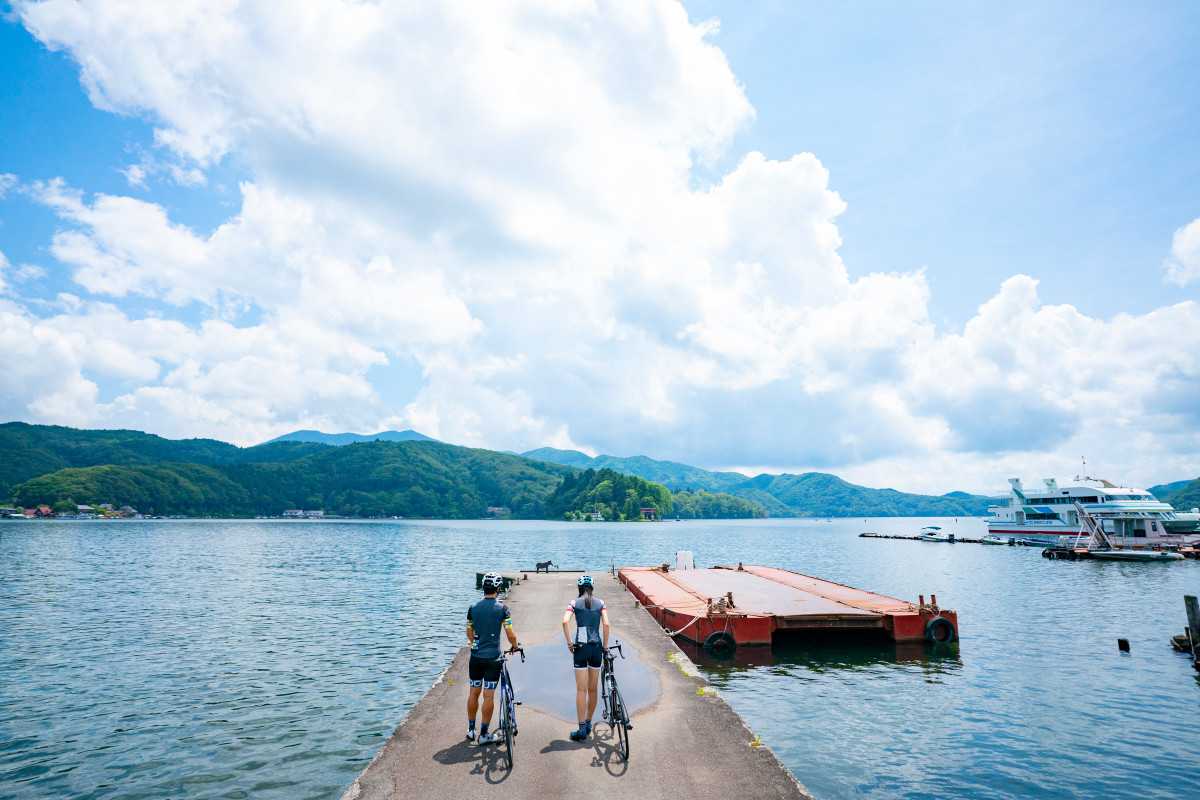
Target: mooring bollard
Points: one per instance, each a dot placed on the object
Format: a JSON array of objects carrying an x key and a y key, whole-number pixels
[
  {"x": 1123, "y": 645},
  {"x": 1193, "y": 615}
]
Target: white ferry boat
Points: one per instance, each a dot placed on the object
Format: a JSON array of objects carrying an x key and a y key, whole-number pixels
[{"x": 1132, "y": 518}]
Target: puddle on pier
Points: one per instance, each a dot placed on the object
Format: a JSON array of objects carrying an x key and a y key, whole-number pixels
[{"x": 546, "y": 680}]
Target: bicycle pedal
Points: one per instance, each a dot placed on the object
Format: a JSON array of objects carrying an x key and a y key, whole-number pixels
[{"x": 517, "y": 703}]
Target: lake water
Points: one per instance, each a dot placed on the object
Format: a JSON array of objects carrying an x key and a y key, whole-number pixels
[{"x": 272, "y": 659}]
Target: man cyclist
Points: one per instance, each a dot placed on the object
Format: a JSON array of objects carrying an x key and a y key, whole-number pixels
[
  {"x": 485, "y": 619},
  {"x": 590, "y": 642}
]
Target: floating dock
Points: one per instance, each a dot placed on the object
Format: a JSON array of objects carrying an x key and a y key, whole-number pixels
[
  {"x": 686, "y": 740},
  {"x": 749, "y": 605}
]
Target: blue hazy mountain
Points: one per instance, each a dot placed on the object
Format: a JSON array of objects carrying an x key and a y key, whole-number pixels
[
  {"x": 338, "y": 439},
  {"x": 810, "y": 494}
]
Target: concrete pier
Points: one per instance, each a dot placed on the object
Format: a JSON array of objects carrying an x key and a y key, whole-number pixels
[{"x": 686, "y": 740}]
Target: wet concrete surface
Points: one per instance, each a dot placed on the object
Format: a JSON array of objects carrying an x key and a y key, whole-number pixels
[
  {"x": 546, "y": 680},
  {"x": 686, "y": 742}
]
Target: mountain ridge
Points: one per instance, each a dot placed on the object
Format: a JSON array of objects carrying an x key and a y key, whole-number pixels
[
  {"x": 809, "y": 494},
  {"x": 342, "y": 439}
]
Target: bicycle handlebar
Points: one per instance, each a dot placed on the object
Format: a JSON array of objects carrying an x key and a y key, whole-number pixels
[
  {"x": 617, "y": 647},
  {"x": 517, "y": 649}
]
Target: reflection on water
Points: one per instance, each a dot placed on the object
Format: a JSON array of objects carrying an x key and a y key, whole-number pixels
[
  {"x": 271, "y": 659},
  {"x": 821, "y": 652},
  {"x": 546, "y": 681}
]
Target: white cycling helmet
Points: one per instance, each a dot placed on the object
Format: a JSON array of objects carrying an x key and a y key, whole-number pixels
[
  {"x": 585, "y": 580},
  {"x": 492, "y": 580}
]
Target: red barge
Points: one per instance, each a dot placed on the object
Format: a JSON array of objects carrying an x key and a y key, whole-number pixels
[{"x": 747, "y": 605}]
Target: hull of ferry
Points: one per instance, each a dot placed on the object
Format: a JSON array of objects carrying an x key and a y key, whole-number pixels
[{"x": 1046, "y": 535}]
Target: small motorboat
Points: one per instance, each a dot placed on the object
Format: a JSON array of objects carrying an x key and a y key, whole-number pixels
[
  {"x": 932, "y": 533},
  {"x": 991, "y": 538}
]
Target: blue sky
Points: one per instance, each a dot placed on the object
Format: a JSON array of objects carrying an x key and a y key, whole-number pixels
[
  {"x": 981, "y": 139},
  {"x": 920, "y": 245}
]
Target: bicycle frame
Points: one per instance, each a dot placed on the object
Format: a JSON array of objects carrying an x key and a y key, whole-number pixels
[
  {"x": 508, "y": 704},
  {"x": 615, "y": 712}
]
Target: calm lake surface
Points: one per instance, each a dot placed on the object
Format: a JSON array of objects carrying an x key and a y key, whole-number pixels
[{"x": 240, "y": 659}]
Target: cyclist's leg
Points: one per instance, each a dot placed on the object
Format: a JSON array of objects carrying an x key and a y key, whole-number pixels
[
  {"x": 475, "y": 682},
  {"x": 593, "y": 682},
  {"x": 491, "y": 678},
  {"x": 581, "y": 697},
  {"x": 595, "y": 660},
  {"x": 489, "y": 704},
  {"x": 473, "y": 701}
]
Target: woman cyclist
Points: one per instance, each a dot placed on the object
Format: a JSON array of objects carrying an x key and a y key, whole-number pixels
[{"x": 588, "y": 645}]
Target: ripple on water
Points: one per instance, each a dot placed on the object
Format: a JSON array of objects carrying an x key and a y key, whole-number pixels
[{"x": 271, "y": 660}]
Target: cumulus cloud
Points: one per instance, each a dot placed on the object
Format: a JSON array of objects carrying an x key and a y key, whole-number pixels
[
  {"x": 1183, "y": 267},
  {"x": 495, "y": 206}
]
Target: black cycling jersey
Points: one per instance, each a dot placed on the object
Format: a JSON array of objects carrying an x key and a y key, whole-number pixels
[
  {"x": 487, "y": 618},
  {"x": 587, "y": 619}
]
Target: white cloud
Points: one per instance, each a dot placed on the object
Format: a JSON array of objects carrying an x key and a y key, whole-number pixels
[
  {"x": 497, "y": 203},
  {"x": 136, "y": 175},
  {"x": 1183, "y": 267},
  {"x": 7, "y": 181}
]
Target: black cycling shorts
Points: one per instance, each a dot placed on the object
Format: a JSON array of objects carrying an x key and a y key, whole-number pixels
[
  {"x": 589, "y": 656},
  {"x": 484, "y": 672}
]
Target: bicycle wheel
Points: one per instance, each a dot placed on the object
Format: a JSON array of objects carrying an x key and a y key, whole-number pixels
[
  {"x": 620, "y": 723},
  {"x": 605, "y": 680},
  {"x": 508, "y": 721}
]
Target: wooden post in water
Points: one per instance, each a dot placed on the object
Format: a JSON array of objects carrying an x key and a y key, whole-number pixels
[{"x": 1193, "y": 615}]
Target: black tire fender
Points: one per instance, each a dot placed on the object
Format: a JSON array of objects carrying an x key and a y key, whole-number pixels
[
  {"x": 720, "y": 641},
  {"x": 940, "y": 630}
]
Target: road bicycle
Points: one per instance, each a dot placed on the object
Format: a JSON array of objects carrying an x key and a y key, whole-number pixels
[
  {"x": 508, "y": 704},
  {"x": 615, "y": 711}
]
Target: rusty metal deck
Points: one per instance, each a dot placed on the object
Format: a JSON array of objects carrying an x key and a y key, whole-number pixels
[{"x": 767, "y": 599}]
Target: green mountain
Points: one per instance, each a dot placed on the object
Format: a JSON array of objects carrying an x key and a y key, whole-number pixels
[
  {"x": 617, "y": 495},
  {"x": 41, "y": 464},
  {"x": 1165, "y": 490},
  {"x": 824, "y": 495},
  {"x": 339, "y": 439},
  {"x": 413, "y": 478},
  {"x": 28, "y": 451},
  {"x": 811, "y": 494},
  {"x": 671, "y": 474},
  {"x": 1185, "y": 498}
]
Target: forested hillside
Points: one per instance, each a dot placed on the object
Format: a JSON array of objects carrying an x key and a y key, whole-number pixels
[
  {"x": 41, "y": 465},
  {"x": 823, "y": 495},
  {"x": 810, "y": 494},
  {"x": 1187, "y": 498},
  {"x": 371, "y": 479},
  {"x": 673, "y": 475},
  {"x": 28, "y": 451},
  {"x": 618, "y": 496}
]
